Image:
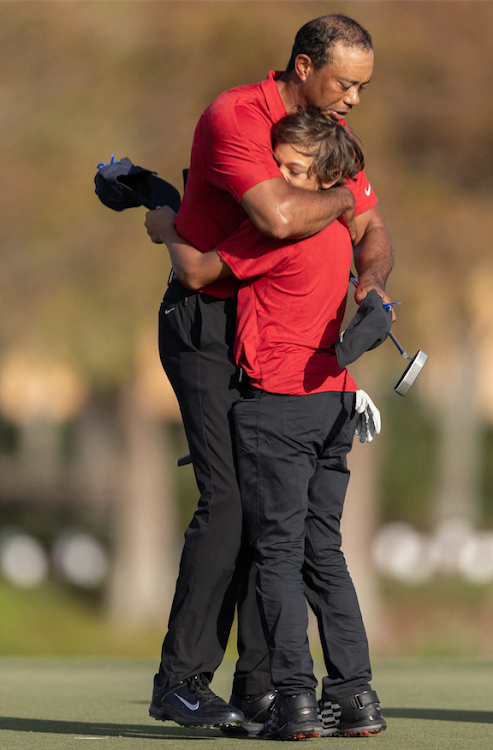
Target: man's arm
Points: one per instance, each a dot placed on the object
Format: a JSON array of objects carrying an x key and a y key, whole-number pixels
[
  {"x": 194, "y": 268},
  {"x": 282, "y": 211},
  {"x": 373, "y": 256},
  {"x": 237, "y": 140}
]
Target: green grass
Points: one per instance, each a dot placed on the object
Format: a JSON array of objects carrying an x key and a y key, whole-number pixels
[
  {"x": 444, "y": 618},
  {"x": 56, "y": 621},
  {"x": 61, "y": 703}
]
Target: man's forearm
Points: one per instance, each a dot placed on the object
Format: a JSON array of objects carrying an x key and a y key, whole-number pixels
[
  {"x": 282, "y": 211},
  {"x": 373, "y": 258}
]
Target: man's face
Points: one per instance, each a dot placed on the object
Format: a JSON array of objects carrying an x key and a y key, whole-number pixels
[{"x": 336, "y": 88}]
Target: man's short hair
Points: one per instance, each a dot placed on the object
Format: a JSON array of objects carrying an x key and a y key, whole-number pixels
[
  {"x": 318, "y": 37},
  {"x": 335, "y": 150}
]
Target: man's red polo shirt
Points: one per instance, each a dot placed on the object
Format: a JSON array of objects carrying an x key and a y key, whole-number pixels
[
  {"x": 291, "y": 314},
  {"x": 232, "y": 152}
]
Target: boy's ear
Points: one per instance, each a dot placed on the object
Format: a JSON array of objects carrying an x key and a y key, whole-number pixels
[{"x": 336, "y": 176}]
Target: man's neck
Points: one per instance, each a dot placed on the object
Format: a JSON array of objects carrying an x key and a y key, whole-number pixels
[{"x": 287, "y": 86}]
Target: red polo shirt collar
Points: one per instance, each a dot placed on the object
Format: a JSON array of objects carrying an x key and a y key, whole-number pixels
[{"x": 272, "y": 95}]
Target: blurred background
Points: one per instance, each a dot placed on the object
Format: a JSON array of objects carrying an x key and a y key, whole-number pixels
[{"x": 92, "y": 505}]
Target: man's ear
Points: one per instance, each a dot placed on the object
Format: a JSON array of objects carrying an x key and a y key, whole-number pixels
[
  {"x": 303, "y": 65},
  {"x": 336, "y": 176}
]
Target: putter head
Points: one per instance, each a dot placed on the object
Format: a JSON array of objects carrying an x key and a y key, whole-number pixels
[
  {"x": 184, "y": 460},
  {"x": 411, "y": 373}
]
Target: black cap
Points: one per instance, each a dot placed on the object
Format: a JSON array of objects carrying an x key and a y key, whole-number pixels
[
  {"x": 368, "y": 329},
  {"x": 121, "y": 185}
]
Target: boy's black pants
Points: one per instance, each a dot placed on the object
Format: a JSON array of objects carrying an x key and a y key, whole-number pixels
[{"x": 293, "y": 475}]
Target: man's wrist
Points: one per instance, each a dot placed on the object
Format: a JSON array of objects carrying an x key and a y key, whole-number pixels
[
  {"x": 343, "y": 195},
  {"x": 371, "y": 278}
]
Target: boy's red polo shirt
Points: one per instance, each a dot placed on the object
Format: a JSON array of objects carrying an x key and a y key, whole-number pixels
[
  {"x": 290, "y": 315},
  {"x": 232, "y": 152}
]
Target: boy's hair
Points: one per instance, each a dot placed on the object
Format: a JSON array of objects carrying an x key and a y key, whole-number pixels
[
  {"x": 317, "y": 39},
  {"x": 334, "y": 149}
]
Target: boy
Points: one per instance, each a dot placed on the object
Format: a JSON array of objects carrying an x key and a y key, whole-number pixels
[{"x": 294, "y": 429}]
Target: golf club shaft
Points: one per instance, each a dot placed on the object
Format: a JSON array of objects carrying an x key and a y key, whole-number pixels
[{"x": 403, "y": 352}]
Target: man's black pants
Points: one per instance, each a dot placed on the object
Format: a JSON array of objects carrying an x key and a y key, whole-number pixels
[
  {"x": 196, "y": 336},
  {"x": 293, "y": 475}
]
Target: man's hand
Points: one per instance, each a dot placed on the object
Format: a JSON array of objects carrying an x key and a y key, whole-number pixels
[
  {"x": 365, "y": 284},
  {"x": 160, "y": 223},
  {"x": 347, "y": 218}
]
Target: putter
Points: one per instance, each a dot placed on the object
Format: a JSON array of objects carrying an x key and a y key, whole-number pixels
[
  {"x": 413, "y": 369},
  {"x": 415, "y": 365}
]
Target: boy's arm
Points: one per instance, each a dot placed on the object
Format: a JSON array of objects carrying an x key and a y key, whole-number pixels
[{"x": 194, "y": 268}]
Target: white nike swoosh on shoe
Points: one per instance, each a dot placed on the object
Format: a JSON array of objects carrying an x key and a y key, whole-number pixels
[
  {"x": 368, "y": 190},
  {"x": 186, "y": 703},
  {"x": 170, "y": 309}
]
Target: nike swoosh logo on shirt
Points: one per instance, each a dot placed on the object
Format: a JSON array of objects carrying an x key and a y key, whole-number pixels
[
  {"x": 170, "y": 309},
  {"x": 368, "y": 190},
  {"x": 186, "y": 703}
]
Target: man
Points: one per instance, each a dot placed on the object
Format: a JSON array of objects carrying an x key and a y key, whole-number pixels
[{"x": 233, "y": 176}]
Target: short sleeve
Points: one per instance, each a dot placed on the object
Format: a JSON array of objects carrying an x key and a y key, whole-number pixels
[
  {"x": 250, "y": 253},
  {"x": 237, "y": 141},
  {"x": 364, "y": 196}
]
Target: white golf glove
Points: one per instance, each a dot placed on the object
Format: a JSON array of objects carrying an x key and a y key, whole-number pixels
[{"x": 369, "y": 421}]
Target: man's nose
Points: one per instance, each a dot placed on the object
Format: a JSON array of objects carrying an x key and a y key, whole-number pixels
[{"x": 352, "y": 97}]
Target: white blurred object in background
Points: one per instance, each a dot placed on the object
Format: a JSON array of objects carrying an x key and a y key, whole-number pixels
[
  {"x": 23, "y": 560},
  {"x": 401, "y": 552},
  {"x": 455, "y": 549},
  {"x": 475, "y": 561},
  {"x": 449, "y": 539},
  {"x": 80, "y": 559}
]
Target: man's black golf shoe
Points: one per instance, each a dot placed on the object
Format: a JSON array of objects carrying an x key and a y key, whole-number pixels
[
  {"x": 256, "y": 711},
  {"x": 354, "y": 716},
  {"x": 295, "y": 717},
  {"x": 192, "y": 703}
]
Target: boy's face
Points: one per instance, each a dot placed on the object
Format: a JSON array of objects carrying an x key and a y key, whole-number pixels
[{"x": 294, "y": 166}]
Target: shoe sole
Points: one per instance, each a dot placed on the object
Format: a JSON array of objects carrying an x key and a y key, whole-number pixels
[
  {"x": 246, "y": 729},
  {"x": 302, "y": 733},
  {"x": 355, "y": 731},
  {"x": 158, "y": 713}
]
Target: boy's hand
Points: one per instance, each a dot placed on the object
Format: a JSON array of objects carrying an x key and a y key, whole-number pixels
[{"x": 159, "y": 223}]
